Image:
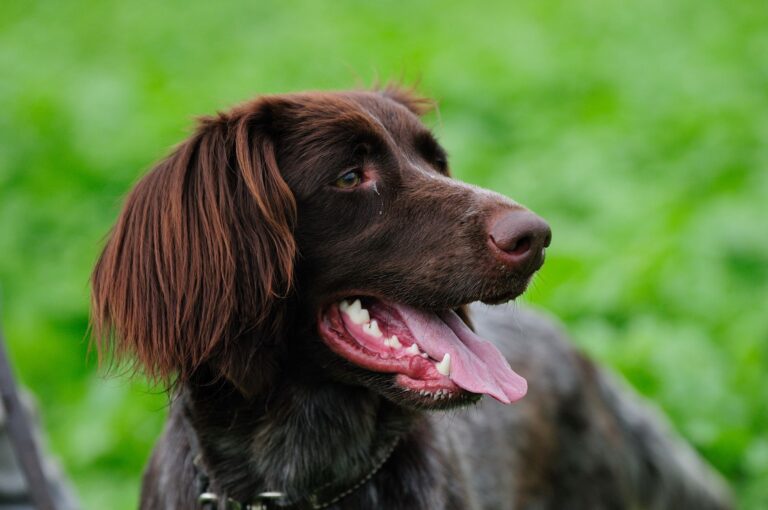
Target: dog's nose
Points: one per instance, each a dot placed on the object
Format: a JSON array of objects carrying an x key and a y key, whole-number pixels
[{"x": 520, "y": 237}]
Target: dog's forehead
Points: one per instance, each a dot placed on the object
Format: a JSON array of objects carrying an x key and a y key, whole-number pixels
[
  {"x": 375, "y": 112},
  {"x": 320, "y": 133},
  {"x": 394, "y": 115}
]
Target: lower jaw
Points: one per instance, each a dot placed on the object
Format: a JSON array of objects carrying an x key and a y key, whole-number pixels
[
  {"x": 423, "y": 395},
  {"x": 427, "y": 386},
  {"x": 433, "y": 390},
  {"x": 508, "y": 296}
]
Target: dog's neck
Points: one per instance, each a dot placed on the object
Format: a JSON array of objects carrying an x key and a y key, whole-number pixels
[{"x": 301, "y": 436}]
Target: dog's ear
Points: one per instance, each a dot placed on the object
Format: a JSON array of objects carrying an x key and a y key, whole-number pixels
[{"x": 201, "y": 257}]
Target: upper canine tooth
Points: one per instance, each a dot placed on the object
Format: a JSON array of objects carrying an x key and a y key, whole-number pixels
[
  {"x": 372, "y": 328},
  {"x": 413, "y": 349},
  {"x": 444, "y": 367}
]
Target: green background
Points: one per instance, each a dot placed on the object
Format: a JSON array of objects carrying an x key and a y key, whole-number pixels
[{"x": 637, "y": 128}]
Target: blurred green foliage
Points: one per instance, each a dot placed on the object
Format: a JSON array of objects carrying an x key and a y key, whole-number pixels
[{"x": 638, "y": 129}]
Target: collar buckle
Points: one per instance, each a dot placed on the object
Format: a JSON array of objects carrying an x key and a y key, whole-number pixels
[{"x": 266, "y": 500}]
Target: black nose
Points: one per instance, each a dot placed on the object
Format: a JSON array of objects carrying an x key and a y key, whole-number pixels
[{"x": 520, "y": 237}]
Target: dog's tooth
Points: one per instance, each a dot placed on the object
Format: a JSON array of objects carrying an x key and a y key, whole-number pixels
[
  {"x": 394, "y": 342},
  {"x": 413, "y": 349},
  {"x": 372, "y": 328},
  {"x": 424, "y": 355},
  {"x": 357, "y": 313},
  {"x": 444, "y": 367},
  {"x": 344, "y": 305}
]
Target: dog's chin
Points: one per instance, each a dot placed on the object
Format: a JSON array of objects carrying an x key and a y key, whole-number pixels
[
  {"x": 429, "y": 359},
  {"x": 394, "y": 391},
  {"x": 506, "y": 295}
]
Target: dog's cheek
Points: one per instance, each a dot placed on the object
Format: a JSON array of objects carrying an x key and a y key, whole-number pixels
[{"x": 251, "y": 370}]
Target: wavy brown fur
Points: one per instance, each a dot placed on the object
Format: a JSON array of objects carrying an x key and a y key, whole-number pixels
[{"x": 202, "y": 253}]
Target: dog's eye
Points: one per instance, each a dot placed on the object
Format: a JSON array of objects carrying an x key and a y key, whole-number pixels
[{"x": 349, "y": 179}]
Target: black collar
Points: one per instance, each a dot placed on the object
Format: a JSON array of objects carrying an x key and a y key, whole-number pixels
[{"x": 325, "y": 496}]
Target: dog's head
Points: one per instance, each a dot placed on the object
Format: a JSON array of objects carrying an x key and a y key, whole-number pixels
[{"x": 320, "y": 229}]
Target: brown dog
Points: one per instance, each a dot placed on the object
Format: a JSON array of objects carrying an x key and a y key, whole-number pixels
[{"x": 299, "y": 269}]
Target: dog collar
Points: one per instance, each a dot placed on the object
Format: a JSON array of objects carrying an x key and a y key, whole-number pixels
[{"x": 327, "y": 495}]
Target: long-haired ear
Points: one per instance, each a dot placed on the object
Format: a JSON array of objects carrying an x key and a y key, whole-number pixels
[{"x": 201, "y": 256}]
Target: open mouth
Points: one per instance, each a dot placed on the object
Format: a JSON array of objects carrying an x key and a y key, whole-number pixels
[{"x": 433, "y": 354}]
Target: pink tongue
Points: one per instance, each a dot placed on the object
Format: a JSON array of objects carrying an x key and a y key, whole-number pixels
[{"x": 476, "y": 364}]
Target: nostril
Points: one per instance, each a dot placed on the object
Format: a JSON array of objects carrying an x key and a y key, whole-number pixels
[
  {"x": 519, "y": 235},
  {"x": 521, "y": 246}
]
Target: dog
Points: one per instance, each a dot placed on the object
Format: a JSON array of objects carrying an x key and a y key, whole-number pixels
[{"x": 300, "y": 274}]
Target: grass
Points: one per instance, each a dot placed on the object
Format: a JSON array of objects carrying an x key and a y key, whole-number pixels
[{"x": 638, "y": 129}]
